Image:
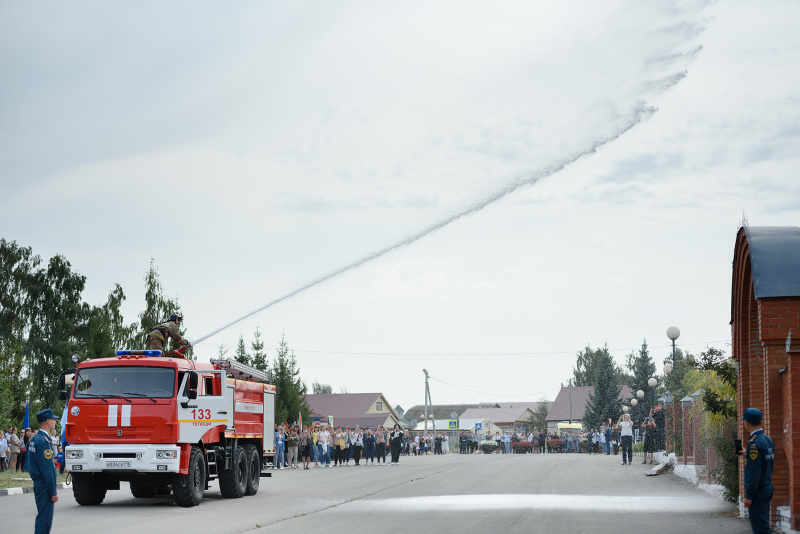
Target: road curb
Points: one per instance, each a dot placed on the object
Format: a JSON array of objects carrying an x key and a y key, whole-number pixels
[{"x": 28, "y": 489}]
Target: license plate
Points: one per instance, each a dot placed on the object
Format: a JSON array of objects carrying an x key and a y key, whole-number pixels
[{"x": 118, "y": 465}]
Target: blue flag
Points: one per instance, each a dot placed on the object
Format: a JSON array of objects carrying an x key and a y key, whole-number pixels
[
  {"x": 64, "y": 425},
  {"x": 27, "y": 422}
]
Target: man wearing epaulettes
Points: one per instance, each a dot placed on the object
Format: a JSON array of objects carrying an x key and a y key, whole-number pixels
[
  {"x": 759, "y": 455},
  {"x": 39, "y": 460}
]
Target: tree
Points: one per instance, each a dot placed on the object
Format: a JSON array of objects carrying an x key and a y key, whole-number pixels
[
  {"x": 317, "y": 388},
  {"x": 675, "y": 381},
  {"x": 13, "y": 384},
  {"x": 715, "y": 375},
  {"x": 222, "y": 350},
  {"x": 241, "y": 352},
  {"x": 58, "y": 326},
  {"x": 17, "y": 267},
  {"x": 586, "y": 367},
  {"x": 158, "y": 308},
  {"x": 290, "y": 391},
  {"x": 106, "y": 328},
  {"x": 259, "y": 358},
  {"x": 643, "y": 370},
  {"x": 604, "y": 402},
  {"x": 539, "y": 417}
]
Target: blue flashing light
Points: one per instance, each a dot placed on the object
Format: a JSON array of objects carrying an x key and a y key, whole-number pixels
[{"x": 138, "y": 353}]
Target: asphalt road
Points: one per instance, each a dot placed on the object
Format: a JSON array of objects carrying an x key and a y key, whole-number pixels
[{"x": 453, "y": 493}]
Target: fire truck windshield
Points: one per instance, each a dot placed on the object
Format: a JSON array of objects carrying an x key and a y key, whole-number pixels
[{"x": 99, "y": 382}]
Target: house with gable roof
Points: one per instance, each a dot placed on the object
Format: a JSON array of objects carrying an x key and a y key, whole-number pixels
[{"x": 366, "y": 410}]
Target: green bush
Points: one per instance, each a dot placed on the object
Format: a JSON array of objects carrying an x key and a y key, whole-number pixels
[{"x": 638, "y": 447}]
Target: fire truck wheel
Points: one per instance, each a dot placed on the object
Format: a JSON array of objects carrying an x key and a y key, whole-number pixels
[
  {"x": 253, "y": 469},
  {"x": 142, "y": 490},
  {"x": 187, "y": 490},
  {"x": 89, "y": 489},
  {"x": 233, "y": 481}
]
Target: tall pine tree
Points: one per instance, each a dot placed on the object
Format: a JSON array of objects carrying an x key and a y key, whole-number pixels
[
  {"x": 586, "y": 367},
  {"x": 604, "y": 403},
  {"x": 290, "y": 394},
  {"x": 158, "y": 308},
  {"x": 241, "y": 352},
  {"x": 259, "y": 358},
  {"x": 643, "y": 370}
]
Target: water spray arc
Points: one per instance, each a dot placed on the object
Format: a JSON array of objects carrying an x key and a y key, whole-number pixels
[{"x": 637, "y": 115}]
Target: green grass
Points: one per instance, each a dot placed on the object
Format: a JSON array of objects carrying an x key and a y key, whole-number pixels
[{"x": 7, "y": 479}]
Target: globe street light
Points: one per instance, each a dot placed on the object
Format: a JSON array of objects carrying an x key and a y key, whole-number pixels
[
  {"x": 673, "y": 332},
  {"x": 640, "y": 393},
  {"x": 652, "y": 382},
  {"x": 634, "y": 402}
]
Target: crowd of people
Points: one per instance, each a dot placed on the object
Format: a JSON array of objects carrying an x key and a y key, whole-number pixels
[
  {"x": 14, "y": 449},
  {"x": 326, "y": 446}
]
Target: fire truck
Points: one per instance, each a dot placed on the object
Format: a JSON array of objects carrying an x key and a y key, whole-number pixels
[{"x": 166, "y": 424}]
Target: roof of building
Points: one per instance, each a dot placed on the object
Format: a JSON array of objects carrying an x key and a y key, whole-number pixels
[
  {"x": 533, "y": 406},
  {"x": 559, "y": 410},
  {"x": 497, "y": 415},
  {"x": 350, "y": 409},
  {"x": 442, "y": 411},
  {"x": 775, "y": 260}
]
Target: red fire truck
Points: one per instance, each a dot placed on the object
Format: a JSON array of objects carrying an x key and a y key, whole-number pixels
[{"x": 164, "y": 423}]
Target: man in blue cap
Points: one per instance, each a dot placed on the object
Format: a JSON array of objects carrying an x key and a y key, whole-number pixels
[
  {"x": 759, "y": 457},
  {"x": 43, "y": 471}
]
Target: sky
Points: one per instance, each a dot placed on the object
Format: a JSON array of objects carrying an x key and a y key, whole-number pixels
[{"x": 540, "y": 176}]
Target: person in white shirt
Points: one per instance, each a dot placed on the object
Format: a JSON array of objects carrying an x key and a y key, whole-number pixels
[
  {"x": 626, "y": 432},
  {"x": 324, "y": 439},
  {"x": 358, "y": 444}
]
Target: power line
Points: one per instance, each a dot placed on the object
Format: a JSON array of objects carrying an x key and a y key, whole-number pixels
[
  {"x": 494, "y": 353},
  {"x": 483, "y": 392}
]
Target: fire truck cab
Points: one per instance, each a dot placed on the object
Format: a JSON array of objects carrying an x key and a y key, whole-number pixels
[{"x": 166, "y": 424}]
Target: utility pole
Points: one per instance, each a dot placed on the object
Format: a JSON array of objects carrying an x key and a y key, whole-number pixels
[
  {"x": 428, "y": 402},
  {"x": 570, "y": 401}
]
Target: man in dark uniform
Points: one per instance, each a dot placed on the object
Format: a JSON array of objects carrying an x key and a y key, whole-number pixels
[
  {"x": 39, "y": 458},
  {"x": 157, "y": 338},
  {"x": 759, "y": 456},
  {"x": 397, "y": 440}
]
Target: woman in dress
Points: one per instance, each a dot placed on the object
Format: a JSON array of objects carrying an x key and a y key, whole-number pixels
[{"x": 649, "y": 427}]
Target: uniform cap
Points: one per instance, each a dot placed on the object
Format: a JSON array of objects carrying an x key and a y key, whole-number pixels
[
  {"x": 46, "y": 414},
  {"x": 752, "y": 416}
]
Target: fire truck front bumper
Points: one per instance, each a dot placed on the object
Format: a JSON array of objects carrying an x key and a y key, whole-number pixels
[{"x": 113, "y": 457}]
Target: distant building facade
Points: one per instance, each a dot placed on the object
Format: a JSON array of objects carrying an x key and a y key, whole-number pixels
[{"x": 366, "y": 410}]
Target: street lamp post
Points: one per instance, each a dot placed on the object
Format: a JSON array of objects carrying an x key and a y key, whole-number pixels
[{"x": 673, "y": 332}]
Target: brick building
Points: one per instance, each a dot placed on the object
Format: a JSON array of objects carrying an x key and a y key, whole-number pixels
[{"x": 765, "y": 310}]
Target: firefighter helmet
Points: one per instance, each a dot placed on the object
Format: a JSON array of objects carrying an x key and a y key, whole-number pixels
[{"x": 175, "y": 318}]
